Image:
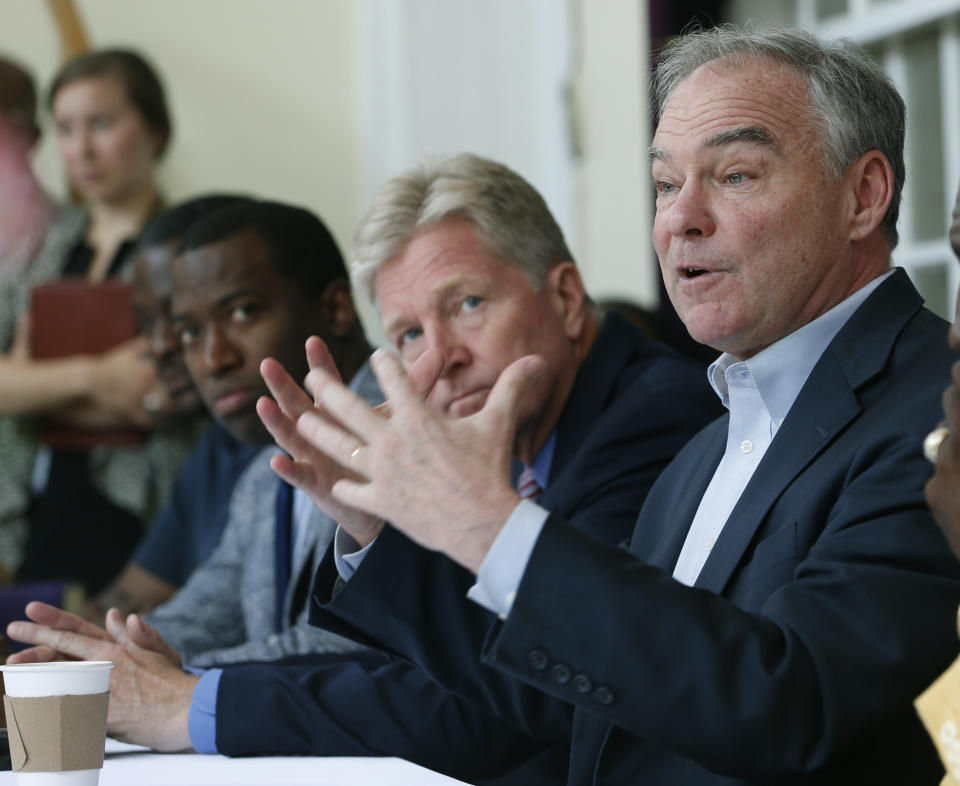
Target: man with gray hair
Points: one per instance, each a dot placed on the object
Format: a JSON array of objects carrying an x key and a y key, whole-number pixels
[
  {"x": 786, "y": 592},
  {"x": 469, "y": 272}
]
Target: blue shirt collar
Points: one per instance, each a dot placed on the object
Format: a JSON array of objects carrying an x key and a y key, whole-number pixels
[
  {"x": 544, "y": 460},
  {"x": 780, "y": 370}
]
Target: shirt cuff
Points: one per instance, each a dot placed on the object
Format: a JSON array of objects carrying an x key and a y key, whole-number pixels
[
  {"x": 502, "y": 569},
  {"x": 347, "y": 554},
  {"x": 202, "y": 719}
]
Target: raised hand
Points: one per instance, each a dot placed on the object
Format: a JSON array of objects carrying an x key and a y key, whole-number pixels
[
  {"x": 445, "y": 482},
  {"x": 307, "y": 467}
]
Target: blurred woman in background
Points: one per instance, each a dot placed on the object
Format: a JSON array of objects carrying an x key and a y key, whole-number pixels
[{"x": 76, "y": 514}]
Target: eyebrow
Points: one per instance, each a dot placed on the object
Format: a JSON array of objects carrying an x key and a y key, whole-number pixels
[
  {"x": 751, "y": 134},
  {"x": 438, "y": 295},
  {"x": 222, "y": 302}
]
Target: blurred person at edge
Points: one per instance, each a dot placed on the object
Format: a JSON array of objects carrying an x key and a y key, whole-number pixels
[
  {"x": 943, "y": 489},
  {"x": 77, "y": 515},
  {"x": 25, "y": 209}
]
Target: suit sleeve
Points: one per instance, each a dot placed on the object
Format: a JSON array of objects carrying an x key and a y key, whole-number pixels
[
  {"x": 365, "y": 705},
  {"x": 841, "y": 614}
]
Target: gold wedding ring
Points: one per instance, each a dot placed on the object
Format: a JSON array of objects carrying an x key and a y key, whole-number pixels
[
  {"x": 933, "y": 440},
  {"x": 356, "y": 451}
]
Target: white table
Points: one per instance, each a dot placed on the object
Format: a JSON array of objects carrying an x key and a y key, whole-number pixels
[{"x": 126, "y": 765}]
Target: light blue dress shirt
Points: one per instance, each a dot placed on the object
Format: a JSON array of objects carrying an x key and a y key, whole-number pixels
[{"x": 759, "y": 393}]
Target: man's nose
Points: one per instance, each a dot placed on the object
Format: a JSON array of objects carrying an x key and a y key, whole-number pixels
[
  {"x": 456, "y": 354},
  {"x": 81, "y": 143},
  {"x": 219, "y": 353},
  {"x": 690, "y": 211}
]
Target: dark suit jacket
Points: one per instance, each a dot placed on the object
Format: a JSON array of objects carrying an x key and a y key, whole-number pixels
[
  {"x": 827, "y": 604},
  {"x": 632, "y": 407}
]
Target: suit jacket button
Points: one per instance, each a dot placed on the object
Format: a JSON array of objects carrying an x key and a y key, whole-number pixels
[
  {"x": 561, "y": 674},
  {"x": 582, "y": 683},
  {"x": 603, "y": 695},
  {"x": 538, "y": 659}
]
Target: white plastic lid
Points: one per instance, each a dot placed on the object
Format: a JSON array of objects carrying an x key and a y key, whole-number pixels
[{"x": 57, "y": 678}]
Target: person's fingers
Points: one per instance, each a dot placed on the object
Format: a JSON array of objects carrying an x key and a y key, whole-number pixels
[
  {"x": 148, "y": 637},
  {"x": 317, "y": 379},
  {"x": 396, "y": 386},
  {"x": 295, "y": 473},
  {"x": 75, "y": 645},
  {"x": 345, "y": 407},
  {"x": 45, "y": 614},
  {"x": 353, "y": 494},
  {"x": 280, "y": 426},
  {"x": 343, "y": 447},
  {"x": 503, "y": 404},
  {"x": 39, "y": 654},
  {"x": 289, "y": 396},
  {"x": 142, "y": 634},
  {"x": 425, "y": 372},
  {"x": 318, "y": 356},
  {"x": 116, "y": 626}
]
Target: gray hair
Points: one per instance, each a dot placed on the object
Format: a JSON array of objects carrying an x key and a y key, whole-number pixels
[
  {"x": 854, "y": 103},
  {"x": 509, "y": 215}
]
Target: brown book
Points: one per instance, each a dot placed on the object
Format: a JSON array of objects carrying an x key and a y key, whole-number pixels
[{"x": 76, "y": 317}]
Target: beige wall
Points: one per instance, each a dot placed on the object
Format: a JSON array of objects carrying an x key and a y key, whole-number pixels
[
  {"x": 616, "y": 190},
  {"x": 263, "y": 92},
  {"x": 266, "y": 96}
]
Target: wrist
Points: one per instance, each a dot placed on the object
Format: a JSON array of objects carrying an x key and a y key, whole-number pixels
[
  {"x": 81, "y": 376},
  {"x": 176, "y": 736},
  {"x": 365, "y": 534},
  {"x": 474, "y": 543}
]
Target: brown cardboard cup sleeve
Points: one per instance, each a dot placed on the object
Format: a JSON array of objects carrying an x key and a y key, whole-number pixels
[{"x": 56, "y": 733}]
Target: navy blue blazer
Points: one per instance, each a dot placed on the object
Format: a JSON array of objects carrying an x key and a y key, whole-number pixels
[
  {"x": 827, "y": 604},
  {"x": 633, "y": 405}
]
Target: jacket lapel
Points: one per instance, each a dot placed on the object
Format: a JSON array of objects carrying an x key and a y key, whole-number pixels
[
  {"x": 596, "y": 377},
  {"x": 826, "y": 405},
  {"x": 665, "y": 552},
  {"x": 799, "y": 441}
]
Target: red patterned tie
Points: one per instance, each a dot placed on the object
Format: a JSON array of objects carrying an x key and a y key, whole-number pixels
[{"x": 527, "y": 486}]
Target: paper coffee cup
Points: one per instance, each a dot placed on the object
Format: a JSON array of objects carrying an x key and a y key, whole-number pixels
[{"x": 57, "y": 721}]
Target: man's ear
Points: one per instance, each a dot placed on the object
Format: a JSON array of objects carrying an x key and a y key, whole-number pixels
[
  {"x": 568, "y": 297},
  {"x": 336, "y": 307},
  {"x": 871, "y": 184}
]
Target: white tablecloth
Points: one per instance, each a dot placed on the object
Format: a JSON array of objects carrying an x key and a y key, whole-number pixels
[{"x": 130, "y": 765}]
